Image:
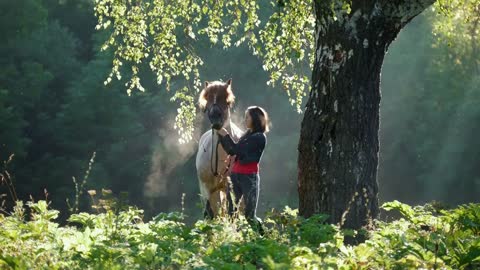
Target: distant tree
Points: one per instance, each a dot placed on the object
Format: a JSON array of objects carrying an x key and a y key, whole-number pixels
[
  {"x": 343, "y": 41},
  {"x": 37, "y": 62},
  {"x": 17, "y": 20}
]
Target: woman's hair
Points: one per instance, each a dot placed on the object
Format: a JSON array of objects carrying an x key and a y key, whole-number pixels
[{"x": 260, "y": 120}]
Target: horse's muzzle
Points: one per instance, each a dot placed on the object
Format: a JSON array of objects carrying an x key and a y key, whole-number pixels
[
  {"x": 215, "y": 115},
  {"x": 217, "y": 126}
]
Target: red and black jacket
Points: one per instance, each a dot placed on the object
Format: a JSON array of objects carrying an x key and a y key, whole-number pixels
[{"x": 248, "y": 151}]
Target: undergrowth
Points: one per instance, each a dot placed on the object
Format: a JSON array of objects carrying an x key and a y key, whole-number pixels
[{"x": 117, "y": 237}]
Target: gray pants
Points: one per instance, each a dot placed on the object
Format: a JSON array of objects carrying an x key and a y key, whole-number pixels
[{"x": 246, "y": 186}]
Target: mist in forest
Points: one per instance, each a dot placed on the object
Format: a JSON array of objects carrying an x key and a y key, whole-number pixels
[{"x": 430, "y": 118}]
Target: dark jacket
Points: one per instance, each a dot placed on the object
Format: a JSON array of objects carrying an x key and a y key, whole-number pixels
[{"x": 248, "y": 149}]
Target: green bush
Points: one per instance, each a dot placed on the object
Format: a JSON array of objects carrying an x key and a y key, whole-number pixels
[{"x": 118, "y": 238}]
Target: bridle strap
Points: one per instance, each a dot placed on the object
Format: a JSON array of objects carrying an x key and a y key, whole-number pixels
[{"x": 215, "y": 171}]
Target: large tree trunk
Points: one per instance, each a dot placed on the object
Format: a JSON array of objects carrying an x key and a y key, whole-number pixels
[{"x": 338, "y": 147}]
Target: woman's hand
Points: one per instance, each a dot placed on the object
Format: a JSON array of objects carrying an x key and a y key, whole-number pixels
[{"x": 222, "y": 132}]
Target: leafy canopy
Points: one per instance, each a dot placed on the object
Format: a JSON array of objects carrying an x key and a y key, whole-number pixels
[{"x": 163, "y": 33}]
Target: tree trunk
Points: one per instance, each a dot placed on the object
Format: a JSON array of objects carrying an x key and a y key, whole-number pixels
[{"x": 338, "y": 147}]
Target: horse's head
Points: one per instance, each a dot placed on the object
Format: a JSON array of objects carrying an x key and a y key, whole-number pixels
[{"x": 216, "y": 99}]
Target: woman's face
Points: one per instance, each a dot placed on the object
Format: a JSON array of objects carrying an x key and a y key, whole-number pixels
[{"x": 248, "y": 120}]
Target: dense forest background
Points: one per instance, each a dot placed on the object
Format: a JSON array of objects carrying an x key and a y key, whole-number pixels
[{"x": 55, "y": 112}]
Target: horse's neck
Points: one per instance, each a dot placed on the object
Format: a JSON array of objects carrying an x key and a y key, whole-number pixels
[
  {"x": 233, "y": 129},
  {"x": 228, "y": 125}
]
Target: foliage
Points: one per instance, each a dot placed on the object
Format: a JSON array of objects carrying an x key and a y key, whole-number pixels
[
  {"x": 461, "y": 29},
  {"x": 163, "y": 34},
  {"x": 118, "y": 238}
]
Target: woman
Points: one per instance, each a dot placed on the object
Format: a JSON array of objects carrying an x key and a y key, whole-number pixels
[{"x": 248, "y": 151}]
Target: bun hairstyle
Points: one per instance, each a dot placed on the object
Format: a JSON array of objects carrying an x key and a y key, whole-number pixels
[{"x": 260, "y": 120}]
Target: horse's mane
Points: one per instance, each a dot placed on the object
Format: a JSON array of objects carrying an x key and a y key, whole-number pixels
[{"x": 223, "y": 92}]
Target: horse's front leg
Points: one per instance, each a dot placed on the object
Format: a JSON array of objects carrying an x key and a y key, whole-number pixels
[
  {"x": 208, "y": 213},
  {"x": 218, "y": 198}
]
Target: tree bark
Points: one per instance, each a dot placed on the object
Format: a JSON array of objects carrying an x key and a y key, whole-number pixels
[{"x": 338, "y": 147}]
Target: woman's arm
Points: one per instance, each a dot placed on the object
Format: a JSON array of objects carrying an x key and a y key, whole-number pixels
[
  {"x": 249, "y": 150},
  {"x": 228, "y": 144}
]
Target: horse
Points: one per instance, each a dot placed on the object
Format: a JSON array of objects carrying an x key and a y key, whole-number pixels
[{"x": 216, "y": 100}]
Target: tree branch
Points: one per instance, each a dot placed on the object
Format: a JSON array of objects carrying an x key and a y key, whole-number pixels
[{"x": 403, "y": 11}]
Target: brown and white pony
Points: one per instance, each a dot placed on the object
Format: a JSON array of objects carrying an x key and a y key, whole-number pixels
[{"x": 212, "y": 162}]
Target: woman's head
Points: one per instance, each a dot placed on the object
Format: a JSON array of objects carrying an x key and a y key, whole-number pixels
[{"x": 256, "y": 119}]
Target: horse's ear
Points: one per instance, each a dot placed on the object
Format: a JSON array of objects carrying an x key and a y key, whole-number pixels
[
  {"x": 229, "y": 82},
  {"x": 202, "y": 100},
  {"x": 206, "y": 84}
]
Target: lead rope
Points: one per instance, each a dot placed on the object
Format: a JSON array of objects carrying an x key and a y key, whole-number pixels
[{"x": 215, "y": 172}]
